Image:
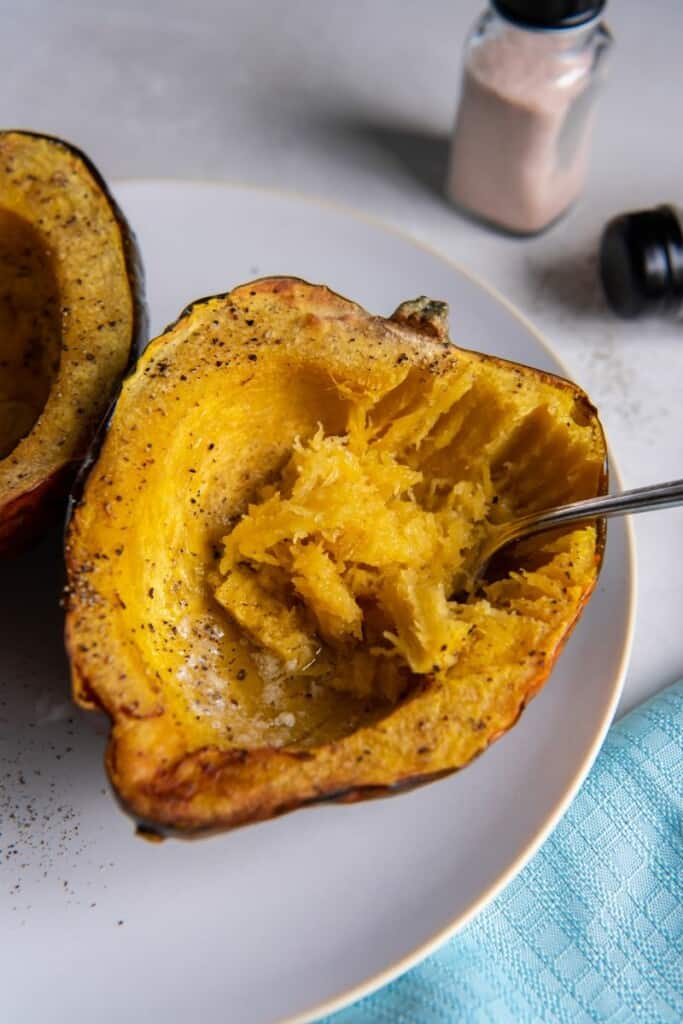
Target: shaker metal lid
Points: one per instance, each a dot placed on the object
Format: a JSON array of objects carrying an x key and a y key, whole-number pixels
[
  {"x": 541, "y": 14},
  {"x": 641, "y": 262}
]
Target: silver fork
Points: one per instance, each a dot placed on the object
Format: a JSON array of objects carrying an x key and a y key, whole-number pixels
[{"x": 641, "y": 499}]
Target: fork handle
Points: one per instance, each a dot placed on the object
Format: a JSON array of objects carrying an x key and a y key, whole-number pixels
[{"x": 640, "y": 499}]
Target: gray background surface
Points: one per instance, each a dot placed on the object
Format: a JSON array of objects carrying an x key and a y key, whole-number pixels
[{"x": 354, "y": 101}]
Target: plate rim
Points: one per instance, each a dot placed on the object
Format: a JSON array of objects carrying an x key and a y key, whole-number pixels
[{"x": 384, "y": 977}]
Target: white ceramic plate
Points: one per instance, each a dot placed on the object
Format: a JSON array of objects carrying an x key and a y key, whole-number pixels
[{"x": 290, "y": 918}]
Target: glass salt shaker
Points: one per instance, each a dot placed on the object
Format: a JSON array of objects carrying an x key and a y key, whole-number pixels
[{"x": 522, "y": 133}]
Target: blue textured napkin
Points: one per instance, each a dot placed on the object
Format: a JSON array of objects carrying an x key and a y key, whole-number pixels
[{"x": 592, "y": 929}]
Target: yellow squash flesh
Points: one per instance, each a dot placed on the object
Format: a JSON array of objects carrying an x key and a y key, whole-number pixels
[{"x": 269, "y": 565}]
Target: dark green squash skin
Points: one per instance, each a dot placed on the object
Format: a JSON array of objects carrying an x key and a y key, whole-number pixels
[{"x": 25, "y": 518}]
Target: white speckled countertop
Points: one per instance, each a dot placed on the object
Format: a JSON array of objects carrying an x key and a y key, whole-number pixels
[{"x": 354, "y": 102}]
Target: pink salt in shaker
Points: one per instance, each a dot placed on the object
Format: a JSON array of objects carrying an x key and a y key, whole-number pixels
[{"x": 522, "y": 132}]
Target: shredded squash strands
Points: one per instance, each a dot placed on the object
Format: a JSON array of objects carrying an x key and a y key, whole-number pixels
[
  {"x": 346, "y": 554},
  {"x": 350, "y": 558}
]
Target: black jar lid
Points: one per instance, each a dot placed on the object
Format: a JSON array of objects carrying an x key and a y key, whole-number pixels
[
  {"x": 641, "y": 263},
  {"x": 541, "y": 14}
]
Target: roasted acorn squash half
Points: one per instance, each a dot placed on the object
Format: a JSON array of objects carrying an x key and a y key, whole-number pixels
[
  {"x": 71, "y": 311},
  {"x": 269, "y": 564}
]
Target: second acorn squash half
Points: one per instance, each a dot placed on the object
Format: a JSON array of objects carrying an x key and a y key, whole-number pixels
[
  {"x": 270, "y": 566},
  {"x": 71, "y": 317}
]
